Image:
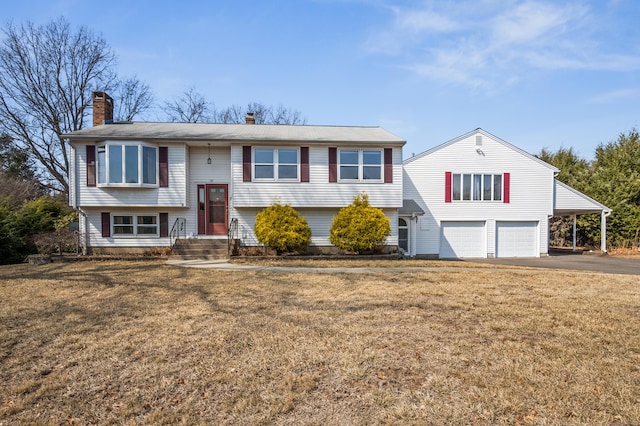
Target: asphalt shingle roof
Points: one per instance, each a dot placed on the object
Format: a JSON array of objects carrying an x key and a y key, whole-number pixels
[{"x": 235, "y": 132}]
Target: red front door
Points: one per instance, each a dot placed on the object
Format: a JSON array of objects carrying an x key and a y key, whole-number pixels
[{"x": 212, "y": 209}]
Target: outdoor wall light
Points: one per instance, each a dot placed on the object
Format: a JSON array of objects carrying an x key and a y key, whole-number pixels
[{"x": 209, "y": 159}]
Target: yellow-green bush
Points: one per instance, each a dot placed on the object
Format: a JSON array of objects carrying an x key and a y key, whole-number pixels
[
  {"x": 359, "y": 227},
  {"x": 281, "y": 227}
]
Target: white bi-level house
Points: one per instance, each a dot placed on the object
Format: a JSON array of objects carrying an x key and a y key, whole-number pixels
[
  {"x": 140, "y": 185},
  {"x": 132, "y": 183}
]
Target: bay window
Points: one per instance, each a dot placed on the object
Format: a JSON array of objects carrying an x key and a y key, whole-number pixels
[{"x": 127, "y": 164}]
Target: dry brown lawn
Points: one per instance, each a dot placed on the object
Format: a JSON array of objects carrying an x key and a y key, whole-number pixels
[
  {"x": 148, "y": 343},
  {"x": 330, "y": 262}
]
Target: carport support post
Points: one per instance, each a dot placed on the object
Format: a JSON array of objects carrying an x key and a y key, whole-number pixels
[
  {"x": 574, "y": 232},
  {"x": 603, "y": 231}
]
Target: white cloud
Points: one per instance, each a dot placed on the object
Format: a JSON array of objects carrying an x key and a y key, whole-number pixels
[
  {"x": 490, "y": 43},
  {"x": 535, "y": 23},
  {"x": 409, "y": 29},
  {"x": 423, "y": 21}
]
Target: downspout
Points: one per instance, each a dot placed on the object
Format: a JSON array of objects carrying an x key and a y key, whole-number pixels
[
  {"x": 74, "y": 192},
  {"x": 603, "y": 230},
  {"x": 85, "y": 229}
]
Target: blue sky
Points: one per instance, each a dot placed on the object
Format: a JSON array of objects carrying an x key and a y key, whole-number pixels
[{"x": 538, "y": 74}]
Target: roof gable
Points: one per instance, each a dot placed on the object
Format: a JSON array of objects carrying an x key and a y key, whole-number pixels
[{"x": 486, "y": 134}]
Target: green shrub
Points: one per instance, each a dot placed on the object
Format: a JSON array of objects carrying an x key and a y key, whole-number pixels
[
  {"x": 26, "y": 229},
  {"x": 280, "y": 227},
  {"x": 359, "y": 227},
  {"x": 14, "y": 246}
]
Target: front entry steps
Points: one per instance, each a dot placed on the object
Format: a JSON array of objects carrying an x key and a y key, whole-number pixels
[{"x": 200, "y": 248}]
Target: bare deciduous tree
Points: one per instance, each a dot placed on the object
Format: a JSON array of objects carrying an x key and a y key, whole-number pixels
[
  {"x": 263, "y": 114},
  {"x": 133, "y": 98},
  {"x": 191, "y": 107},
  {"x": 47, "y": 75},
  {"x": 234, "y": 114}
]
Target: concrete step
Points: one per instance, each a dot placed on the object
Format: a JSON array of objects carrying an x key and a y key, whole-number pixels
[
  {"x": 199, "y": 242},
  {"x": 194, "y": 257},
  {"x": 197, "y": 248}
]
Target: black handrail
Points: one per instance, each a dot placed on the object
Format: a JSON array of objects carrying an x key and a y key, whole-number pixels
[{"x": 179, "y": 229}]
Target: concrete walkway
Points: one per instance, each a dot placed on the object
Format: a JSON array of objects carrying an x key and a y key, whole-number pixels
[
  {"x": 223, "y": 265},
  {"x": 577, "y": 262}
]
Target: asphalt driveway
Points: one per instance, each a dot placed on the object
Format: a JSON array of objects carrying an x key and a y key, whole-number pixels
[{"x": 574, "y": 261}]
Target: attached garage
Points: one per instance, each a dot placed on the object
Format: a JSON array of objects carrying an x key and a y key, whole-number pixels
[
  {"x": 462, "y": 239},
  {"x": 517, "y": 239}
]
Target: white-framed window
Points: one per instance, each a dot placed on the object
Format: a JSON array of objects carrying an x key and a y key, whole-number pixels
[
  {"x": 276, "y": 164},
  {"x": 476, "y": 187},
  {"x": 127, "y": 164},
  {"x": 134, "y": 225},
  {"x": 363, "y": 165}
]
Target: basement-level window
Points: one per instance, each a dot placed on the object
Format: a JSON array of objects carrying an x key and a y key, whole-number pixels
[
  {"x": 134, "y": 225},
  {"x": 476, "y": 187},
  {"x": 127, "y": 164}
]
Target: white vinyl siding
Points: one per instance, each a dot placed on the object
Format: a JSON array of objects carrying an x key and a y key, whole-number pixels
[
  {"x": 531, "y": 190},
  {"x": 201, "y": 173},
  {"x": 175, "y": 195},
  {"x": 516, "y": 239},
  {"x": 319, "y": 221},
  {"x": 462, "y": 240},
  {"x": 92, "y": 233},
  {"x": 318, "y": 192}
]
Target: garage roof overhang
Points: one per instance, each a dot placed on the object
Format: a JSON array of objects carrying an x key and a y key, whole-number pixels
[{"x": 569, "y": 201}]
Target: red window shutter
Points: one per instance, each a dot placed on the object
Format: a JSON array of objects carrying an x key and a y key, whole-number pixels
[
  {"x": 246, "y": 164},
  {"x": 304, "y": 164},
  {"x": 507, "y": 186},
  {"x": 388, "y": 165},
  {"x": 164, "y": 225},
  {"x": 106, "y": 225},
  {"x": 163, "y": 160},
  {"x": 91, "y": 165},
  {"x": 447, "y": 187},
  {"x": 333, "y": 164}
]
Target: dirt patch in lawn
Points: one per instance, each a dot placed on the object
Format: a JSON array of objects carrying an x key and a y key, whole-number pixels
[{"x": 144, "y": 342}]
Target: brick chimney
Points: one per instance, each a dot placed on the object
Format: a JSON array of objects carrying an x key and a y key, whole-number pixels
[
  {"x": 102, "y": 108},
  {"x": 250, "y": 119}
]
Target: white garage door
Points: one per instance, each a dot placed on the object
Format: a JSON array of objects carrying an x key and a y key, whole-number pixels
[
  {"x": 516, "y": 239},
  {"x": 462, "y": 239}
]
